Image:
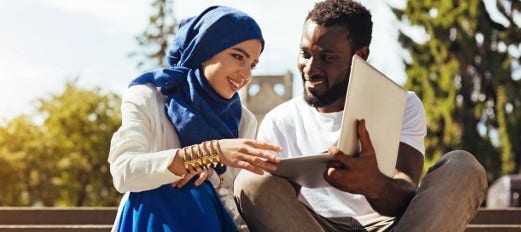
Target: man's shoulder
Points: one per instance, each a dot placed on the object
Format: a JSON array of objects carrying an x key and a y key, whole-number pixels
[{"x": 414, "y": 103}]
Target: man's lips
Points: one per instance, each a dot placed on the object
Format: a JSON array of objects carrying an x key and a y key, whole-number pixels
[{"x": 315, "y": 83}]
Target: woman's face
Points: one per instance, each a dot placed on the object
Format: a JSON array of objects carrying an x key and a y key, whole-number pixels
[{"x": 230, "y": 70}]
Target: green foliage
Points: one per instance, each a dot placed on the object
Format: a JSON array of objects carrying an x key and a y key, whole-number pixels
[
  {"x": 465, "y": 74},
  {"x": 154, "y": 40},
  {"x": 61, "y": 161}
]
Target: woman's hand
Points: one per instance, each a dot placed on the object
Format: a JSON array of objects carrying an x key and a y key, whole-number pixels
[
  {"x": 203, "y": 175},
  {"x": 249, "y": 154}
]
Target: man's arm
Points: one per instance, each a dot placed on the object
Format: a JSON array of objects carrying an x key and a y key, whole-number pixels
[
  {"x": 360, "y": 175},
  {"x": 396, "y": 193}
]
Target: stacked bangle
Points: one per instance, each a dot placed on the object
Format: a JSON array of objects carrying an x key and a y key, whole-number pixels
[{"x": 202, "y": 156}]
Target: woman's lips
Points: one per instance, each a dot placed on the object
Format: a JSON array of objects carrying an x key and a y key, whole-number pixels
[{"x": 234, "y": 85}]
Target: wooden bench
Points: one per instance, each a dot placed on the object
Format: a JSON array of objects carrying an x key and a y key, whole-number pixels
[
  {"x": 492, "y": 220},
  {"x": 57, "y": 219},
  {"x": 101, "y": 219}
]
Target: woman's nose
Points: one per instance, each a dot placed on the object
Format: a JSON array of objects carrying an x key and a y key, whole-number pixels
[{"x": 245, "y": 73}]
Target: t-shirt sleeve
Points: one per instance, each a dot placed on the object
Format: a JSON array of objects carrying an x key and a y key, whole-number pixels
[
  {"x": 414, "y": 127},
  {"x": 266, "y": 129},
  {"x": 270, "y": 129}
]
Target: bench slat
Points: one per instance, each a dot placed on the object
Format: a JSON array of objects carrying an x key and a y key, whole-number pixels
[
  {"x": 498, "y": 216},
  {"x": 62, "y": 216},
  {"x": 493, "y": 228}
]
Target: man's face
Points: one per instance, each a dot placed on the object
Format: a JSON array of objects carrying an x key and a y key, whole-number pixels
[{"x": 324, "y": 63}]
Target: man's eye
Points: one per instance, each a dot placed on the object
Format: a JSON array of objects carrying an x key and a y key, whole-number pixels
[
  {"x": 253, "y": 66},
  {"x": 305, "y": 54},
  {"x": 327, "y": 59}
]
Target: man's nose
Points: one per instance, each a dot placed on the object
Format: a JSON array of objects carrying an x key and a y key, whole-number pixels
[{"x": 311, "y": 67}]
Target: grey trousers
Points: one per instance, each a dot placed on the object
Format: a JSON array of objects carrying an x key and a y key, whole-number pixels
[{"x": 447, "y": 199}]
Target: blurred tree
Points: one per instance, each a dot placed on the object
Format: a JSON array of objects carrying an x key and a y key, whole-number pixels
[
  {"x": 62, "y": 161},
  {"x": 467, "y": 74},
  {"x": 16, "y": 142},
  {"x": 155, "y": 39}
]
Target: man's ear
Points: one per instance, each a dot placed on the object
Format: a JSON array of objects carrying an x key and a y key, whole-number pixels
[{"x": 363, "y": 52}]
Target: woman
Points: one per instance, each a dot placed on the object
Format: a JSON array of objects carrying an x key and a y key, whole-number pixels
[{"x": 186, "y": 121}]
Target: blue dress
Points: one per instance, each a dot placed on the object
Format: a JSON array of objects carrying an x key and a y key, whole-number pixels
[{"x": 168, "y": 208}]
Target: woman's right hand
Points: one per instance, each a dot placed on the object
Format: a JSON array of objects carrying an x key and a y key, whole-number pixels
[
  {"x": 249, "y": 154},
  {"x": 202, "y": 174}
]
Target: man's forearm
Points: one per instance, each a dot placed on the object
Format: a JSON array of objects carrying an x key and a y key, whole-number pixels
[{"x": 393, "y": 196}]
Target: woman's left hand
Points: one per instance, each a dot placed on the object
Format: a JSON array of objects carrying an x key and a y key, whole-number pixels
[
  {"x": 252, "y": 155},
  {"x": 203, "y": 175}
]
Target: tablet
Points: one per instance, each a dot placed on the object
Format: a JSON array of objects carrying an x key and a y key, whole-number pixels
[
  {"x": 371, "y": 96},
  {"x": 307, "y": 171}
]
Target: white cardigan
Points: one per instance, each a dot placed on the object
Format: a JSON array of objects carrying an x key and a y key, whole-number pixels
[{"x": 146, "y": 143}]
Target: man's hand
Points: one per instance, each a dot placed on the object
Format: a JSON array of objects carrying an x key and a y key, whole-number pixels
[{"x": 356, "y": 174}]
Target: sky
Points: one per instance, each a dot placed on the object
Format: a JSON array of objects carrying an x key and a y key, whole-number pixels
[{"x": 45, "y": 43}]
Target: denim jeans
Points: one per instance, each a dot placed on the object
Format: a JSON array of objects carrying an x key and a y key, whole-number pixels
[{"x": 447, "y": 199}]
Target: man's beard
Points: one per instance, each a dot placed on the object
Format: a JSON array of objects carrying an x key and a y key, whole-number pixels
[{"x": 336, "y": 92}]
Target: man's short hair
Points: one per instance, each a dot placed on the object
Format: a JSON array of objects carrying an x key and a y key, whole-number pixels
[{"x": 355, "y": 17}]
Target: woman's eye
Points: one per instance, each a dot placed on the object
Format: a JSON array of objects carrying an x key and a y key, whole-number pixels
[
  {"x": 236, "y": 56},
  {"x": 253, "y": 66}
]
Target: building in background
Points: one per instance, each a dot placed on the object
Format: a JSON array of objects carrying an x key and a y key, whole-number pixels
[{"x": 265, "y": 92}]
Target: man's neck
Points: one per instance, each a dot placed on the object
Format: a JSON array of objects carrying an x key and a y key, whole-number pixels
[{"x": 336, "y": 106}]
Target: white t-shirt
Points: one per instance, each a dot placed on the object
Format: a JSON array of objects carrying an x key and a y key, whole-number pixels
[{"x": 301, "y": 130}]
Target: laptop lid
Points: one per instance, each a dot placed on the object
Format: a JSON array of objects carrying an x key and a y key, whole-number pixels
[
  {"x": 371, "y": 96},
  {"x": 381, "y": 102}
]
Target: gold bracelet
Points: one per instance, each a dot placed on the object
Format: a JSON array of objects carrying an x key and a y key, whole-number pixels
[
  {"x": 199, "y": 156},
  {"x": 215, "y": 155},
  {"x": 188, "y": 162},
  {"x": 192, "y": 161},
  {"x": 196, "y": 156},
  {"x": 205, "y": 154}
]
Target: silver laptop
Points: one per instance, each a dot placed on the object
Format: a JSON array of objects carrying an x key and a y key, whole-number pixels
[{"x": 371, "y": 96}]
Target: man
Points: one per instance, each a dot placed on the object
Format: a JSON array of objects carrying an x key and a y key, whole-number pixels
[{"x": 361, "y": 198}]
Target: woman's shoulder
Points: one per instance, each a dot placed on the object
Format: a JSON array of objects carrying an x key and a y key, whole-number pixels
[
  {"x": 247, "y": 115},
  {"x": 142, "y": 95},
  {"x": 248, "y": 124}
]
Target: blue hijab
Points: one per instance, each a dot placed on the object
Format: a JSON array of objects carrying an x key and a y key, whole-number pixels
[
  {"x": 196, "y": 110},
  {"x": 198, "y": 114}
]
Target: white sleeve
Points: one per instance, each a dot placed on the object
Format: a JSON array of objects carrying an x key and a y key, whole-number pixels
[
  {"x": 414, "y": 128},
  {"x": 132, "y": 164}
]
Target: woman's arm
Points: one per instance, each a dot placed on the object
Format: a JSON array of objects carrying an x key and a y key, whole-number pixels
[{"x": 137, "y": 162}]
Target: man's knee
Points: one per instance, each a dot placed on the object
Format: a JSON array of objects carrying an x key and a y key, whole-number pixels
[
  {"x": 464, "y": 160},
  {"x": 247, "y": 182},
  {"x": 462, "y": 164},
  {"x": 254, "y": 186}
]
